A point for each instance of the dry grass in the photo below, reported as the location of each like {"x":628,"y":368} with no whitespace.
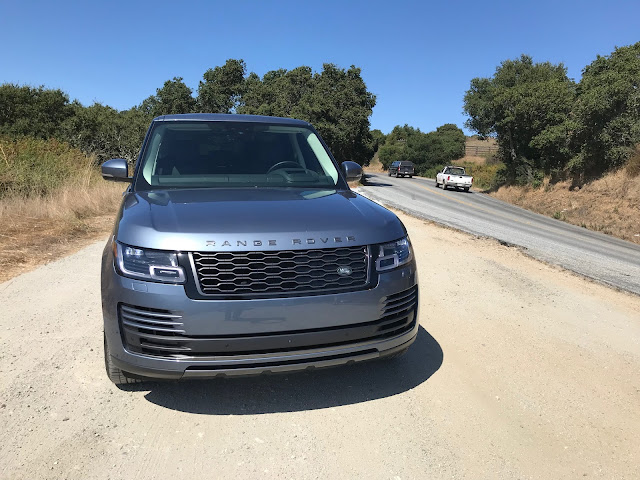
{"x":374,"y":165}
{"x":37,"y":229}
{"x":475,"y":141}
{"x":610,"y":205}
{"x":472,"y":159}
{"x":633,"y":164}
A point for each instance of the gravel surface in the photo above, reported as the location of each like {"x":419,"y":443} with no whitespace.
{"x":597,"y":256}
{"x":520,"y":370}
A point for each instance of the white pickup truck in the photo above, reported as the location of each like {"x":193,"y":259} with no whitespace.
{"x":454,"y":177}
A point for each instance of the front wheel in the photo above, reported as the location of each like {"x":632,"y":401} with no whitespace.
{"x":117,"y":376}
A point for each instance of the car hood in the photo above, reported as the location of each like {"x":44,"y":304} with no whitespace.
{"x":253,"y":219}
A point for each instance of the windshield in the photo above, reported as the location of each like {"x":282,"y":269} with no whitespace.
{"x":234,"y":154}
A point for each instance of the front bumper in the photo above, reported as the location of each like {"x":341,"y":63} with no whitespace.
{"x":248,"y":337}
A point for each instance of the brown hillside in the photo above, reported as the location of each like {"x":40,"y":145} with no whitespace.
{"x":610,"y":205}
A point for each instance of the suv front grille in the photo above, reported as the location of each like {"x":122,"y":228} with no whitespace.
{"x":243,"y":274}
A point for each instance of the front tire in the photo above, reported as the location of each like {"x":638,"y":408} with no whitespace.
{"x":117,"y":376}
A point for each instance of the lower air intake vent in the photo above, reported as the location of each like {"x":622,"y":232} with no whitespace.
{"x":150,"y":330}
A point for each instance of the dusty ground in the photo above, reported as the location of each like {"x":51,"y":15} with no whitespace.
{"x":34,"y":243}
{"x":520,"y":371}
{"x":35,"y":231}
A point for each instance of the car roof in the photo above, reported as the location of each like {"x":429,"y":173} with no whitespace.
{"x":226,"y":117}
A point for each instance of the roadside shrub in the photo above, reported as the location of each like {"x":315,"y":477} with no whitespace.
{"x":34,"y":167}
{"x":484,"y":176}
{"x":538,"y":178}
{"x":429,"y":172}
{"x":500,"y":178}
{"x":633,"y":164}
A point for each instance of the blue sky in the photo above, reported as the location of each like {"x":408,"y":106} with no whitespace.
{"x":417,"y":57}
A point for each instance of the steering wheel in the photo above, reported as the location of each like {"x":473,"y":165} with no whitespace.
{"x":283,"y":165}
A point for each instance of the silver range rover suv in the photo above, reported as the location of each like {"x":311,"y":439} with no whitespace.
{"x":239,"y":249}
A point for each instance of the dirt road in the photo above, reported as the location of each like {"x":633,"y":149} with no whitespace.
{"x":520,"y":371}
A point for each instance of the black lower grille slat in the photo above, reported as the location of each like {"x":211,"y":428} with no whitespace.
{"x":142,"y":326}
{"x":399,"y":310}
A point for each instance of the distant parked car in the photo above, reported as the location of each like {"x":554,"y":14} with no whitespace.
{"x":454,"y":177}
{"x":401,"y":169}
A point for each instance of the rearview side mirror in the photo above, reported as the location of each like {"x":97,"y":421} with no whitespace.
{"x":116,"y":170}
{"x":351,"y":171}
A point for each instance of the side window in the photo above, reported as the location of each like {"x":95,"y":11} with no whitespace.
{"x":446,"y":170}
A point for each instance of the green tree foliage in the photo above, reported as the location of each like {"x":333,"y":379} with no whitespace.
{"x":107,"y":133}
{"x":280,"y":93}
{"x":222,"y":87}
{"x":607,"y":112}
{"x":446,"y":144}
{"x":404,"y":144}
{"x":377,"y":139}
{"x":335,"y":101}
{"x":544,"y":123}
{"x":45,"y":113}
{"x":427,"y":151}
{"x":527,"y":106}
{"x":340,"y":110}
{"x":174,"y":97}
{"x":35,"y":112}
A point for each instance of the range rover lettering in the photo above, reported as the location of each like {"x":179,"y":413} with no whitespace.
{"x":239,"y":249}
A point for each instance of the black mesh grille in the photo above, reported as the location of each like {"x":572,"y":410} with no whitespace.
{"x":278,"y":272}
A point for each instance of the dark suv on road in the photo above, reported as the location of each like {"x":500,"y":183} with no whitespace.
{"x":240,"y":249}
{"x":401,"y":169}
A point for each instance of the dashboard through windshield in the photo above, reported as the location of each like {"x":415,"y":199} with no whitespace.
{"x":234,"y":154}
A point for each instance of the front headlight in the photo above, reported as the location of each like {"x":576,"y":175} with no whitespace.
{"x":392,"y":255}
{"x":154,"y":265}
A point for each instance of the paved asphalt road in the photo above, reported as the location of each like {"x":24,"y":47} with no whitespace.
{"x":597,"y":256}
